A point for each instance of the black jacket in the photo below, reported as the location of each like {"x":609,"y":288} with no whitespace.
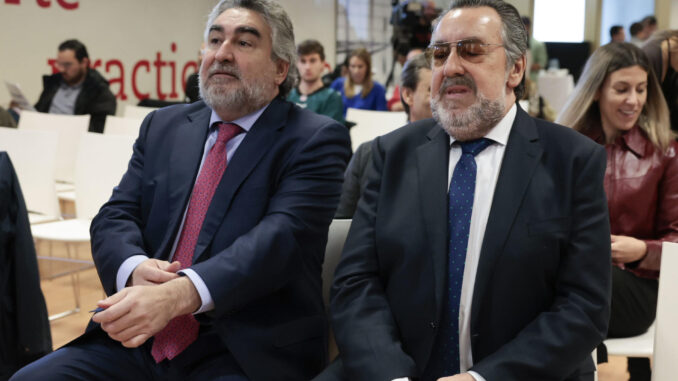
{"x":95,"y":98}
{"x":24,"y":327}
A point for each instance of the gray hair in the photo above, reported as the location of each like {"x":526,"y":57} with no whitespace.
{"x":409,"y":78}
{"x":282,"y":33}
{"x":513,"y":33}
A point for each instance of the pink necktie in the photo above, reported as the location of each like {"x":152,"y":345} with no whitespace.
{"x":181,"y":331}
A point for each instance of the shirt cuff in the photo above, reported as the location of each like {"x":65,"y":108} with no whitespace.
{"x":402,"y":379}
{"x":476,"y":376}
{"x":207,"y":304}
{"x":126,"y":270}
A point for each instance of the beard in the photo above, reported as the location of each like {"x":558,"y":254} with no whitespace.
{"x":243,"y":96}
{"x":470,"y":124}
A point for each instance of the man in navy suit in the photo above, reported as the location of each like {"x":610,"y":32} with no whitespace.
{"x":211,"y":247}
{"x":506,"y":276}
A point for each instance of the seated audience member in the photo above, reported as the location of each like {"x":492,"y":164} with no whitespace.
{"x":77,"y":89}
{"x":538,"y":57}
{"x":210,"y":249}
{"x":311,"y":93}
{"x":638,"y":35}
{"x":649,"y":25}
{"x":480,"y":247}
{"x":416,"y":99}
{"x":6,"y":119}
{"x":618,"y":103}
{"x":394,"y":104}
{"x":617,"y":34}
{"x":357,"y":89}
{"x":662,"y":51}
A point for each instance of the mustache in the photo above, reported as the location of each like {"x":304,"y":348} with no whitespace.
{"x":462,"y":80}
{"x":221,"y":68}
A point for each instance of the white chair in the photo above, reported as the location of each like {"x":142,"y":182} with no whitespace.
{"x":335,"y":245}
{"x":636,"y":346}
{"x":33,"y":154}
{"x":69,"y":128}
{"x":665,"y":365}
{"x":116,"y":125}
{"x":370,"y":124}
{"x":101,"y":162}
{"x":132,"y":111}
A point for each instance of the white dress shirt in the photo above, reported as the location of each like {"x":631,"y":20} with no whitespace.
{"x":488,"y":163}
{"x":128,"y":266}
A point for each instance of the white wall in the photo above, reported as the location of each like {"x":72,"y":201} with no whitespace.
{"x":123,"y":34}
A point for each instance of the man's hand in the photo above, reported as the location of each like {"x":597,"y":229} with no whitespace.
{"x":136,"y":313}
{"x":458,"y":377}
{"x":627,"y":249}
{"x":154,"y":271}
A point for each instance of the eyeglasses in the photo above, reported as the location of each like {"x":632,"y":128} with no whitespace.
{"x":471,"y":50}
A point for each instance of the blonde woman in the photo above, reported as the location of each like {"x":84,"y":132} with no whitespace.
{"x":357,"y":89}
{"x":618,"y":103}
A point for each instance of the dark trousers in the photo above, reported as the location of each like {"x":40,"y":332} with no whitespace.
{"x":95,"y":356}
{"x":634,"y":306}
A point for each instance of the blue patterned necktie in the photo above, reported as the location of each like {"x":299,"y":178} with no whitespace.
{"x":445,"y":357}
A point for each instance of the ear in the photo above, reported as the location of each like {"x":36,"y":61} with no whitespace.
{"x":516,"y":72}
{"x":85,"y":61}
{"x":596,"y":97}
{"x":407,"y":96}
{"x":281,"y":69}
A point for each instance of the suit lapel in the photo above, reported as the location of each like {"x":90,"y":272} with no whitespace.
{"x":432,"y":169}
{"x":252,"y":149}
{"x":185,"y":156}
{"x":522,"y":155}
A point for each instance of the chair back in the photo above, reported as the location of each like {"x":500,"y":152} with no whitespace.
{"x":370,"y":124}
{"x":69,"y":128}
{"x":116,"y":125}
{"x":132,"y":111}
{"x":102,"y":160}
{"x":33,"y":154}
{"x":665,"y":366}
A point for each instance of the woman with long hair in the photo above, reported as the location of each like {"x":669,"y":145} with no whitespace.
{"x":618,"y":102}
{"x":357,"y":89}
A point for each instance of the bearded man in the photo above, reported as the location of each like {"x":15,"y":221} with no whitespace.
{"x":480,"y":247}
{"x":211,"y":247}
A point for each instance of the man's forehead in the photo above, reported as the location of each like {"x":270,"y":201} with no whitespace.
{"x":66,"y":54}
{"x":473,"y":22}
{"x":240,"y":19}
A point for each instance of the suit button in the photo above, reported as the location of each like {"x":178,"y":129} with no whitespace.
{"x":433,"y":325}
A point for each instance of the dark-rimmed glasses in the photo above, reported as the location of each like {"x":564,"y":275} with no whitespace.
{"x":470,"y":50}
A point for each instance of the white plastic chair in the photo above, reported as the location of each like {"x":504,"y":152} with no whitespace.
{"x":132,"y":111}
{"x":116,"y":125}
{"x":33,"y":154}
{"x":69,"y":128}
{"x":665,"y":365}
{"x":370,"y":124}
{"x":101,"y":162}
{"x":336,"y":238}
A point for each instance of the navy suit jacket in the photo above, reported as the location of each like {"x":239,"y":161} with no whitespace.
{"x":261,"y":247}
{"x":541,"y":297}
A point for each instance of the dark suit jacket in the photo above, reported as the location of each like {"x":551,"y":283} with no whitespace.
{"x":355,"y":179}
{"x":542,"y":289}
{"x":261,"y":246}
{"x":24,"y":327}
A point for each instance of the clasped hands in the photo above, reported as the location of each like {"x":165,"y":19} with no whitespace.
{"x":156,"y":294}
{"x":627,"y":249}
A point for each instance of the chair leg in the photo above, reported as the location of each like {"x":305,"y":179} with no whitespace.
{"x":75,"y":278}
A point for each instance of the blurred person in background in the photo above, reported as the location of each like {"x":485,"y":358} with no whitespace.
{"x":357,"y":88}
{"x":662,"y":51}
{"x":617,"y":34}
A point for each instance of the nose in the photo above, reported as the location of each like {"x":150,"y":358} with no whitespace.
{"x":224,"y":52}
{"x":452,"y":66}
{"x":633,"y":98}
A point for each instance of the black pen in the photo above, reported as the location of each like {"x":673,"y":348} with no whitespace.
{"x":98,"y":309}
